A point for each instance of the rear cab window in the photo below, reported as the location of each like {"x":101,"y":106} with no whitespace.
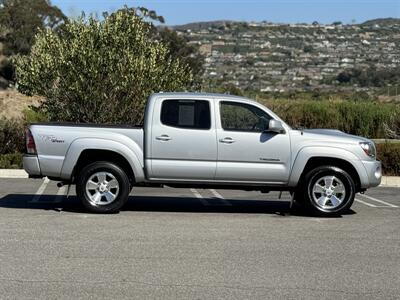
{"x":187,"y":114}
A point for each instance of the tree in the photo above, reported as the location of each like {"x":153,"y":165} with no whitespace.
{"x":370,"y":76}
{"x":178,"y":45}
{"x":100,"y":71}
{"x":149,"y":14}
{"x":344,"y":77}
{"x":187,"y":53}
{"x":308,"y":48}
{"x":20,"y":20}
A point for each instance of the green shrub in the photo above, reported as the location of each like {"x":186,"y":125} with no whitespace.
{"x":11,"y":161}
{"x":100,"y":71}
{"x":34,"y":115}
{"x":11,"y":136}
{"x":389,"y":155}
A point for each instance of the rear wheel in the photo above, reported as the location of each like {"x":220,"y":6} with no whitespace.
{"x":102,"y":187}
{"x":326,"y":191}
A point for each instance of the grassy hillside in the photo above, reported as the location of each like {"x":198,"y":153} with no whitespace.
{"x":13,"y":103}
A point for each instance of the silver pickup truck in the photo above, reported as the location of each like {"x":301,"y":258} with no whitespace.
{"x":203,"y":140}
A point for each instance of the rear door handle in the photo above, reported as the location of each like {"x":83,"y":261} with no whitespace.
{"x":163,"y":137}
{"x":227,"y":140}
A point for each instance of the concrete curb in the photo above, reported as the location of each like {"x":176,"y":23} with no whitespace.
{"x":387,"y":181}
{"x":390,"y":181}
{"x":13,"y":173}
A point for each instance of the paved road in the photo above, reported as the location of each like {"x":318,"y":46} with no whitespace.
{"x":195,"y":244}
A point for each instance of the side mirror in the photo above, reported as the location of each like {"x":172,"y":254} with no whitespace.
{"x":275,"y":126}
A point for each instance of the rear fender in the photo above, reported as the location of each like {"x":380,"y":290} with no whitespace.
{"x":133,"y":154}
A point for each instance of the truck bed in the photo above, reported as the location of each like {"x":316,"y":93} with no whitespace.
{"x":55,"y":140}
{"x":72,"y":124}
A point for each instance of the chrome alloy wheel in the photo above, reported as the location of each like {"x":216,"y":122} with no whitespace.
{"x":328,"y":192}
{"x":102,"y":188}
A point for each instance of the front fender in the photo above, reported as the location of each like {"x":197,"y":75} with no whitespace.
{"x":133,"y":154}
{"x":306,"y":153}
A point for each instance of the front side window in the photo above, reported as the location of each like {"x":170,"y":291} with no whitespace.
{"x":190,"y":114}
{"x":236,"y":116}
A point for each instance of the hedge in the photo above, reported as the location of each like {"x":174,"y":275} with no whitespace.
{"x":365,"y":118}
{"x":11,"y":136}
{"x":389,"y":155}
{"x":11,"y":160}
{"x":370,"y":119}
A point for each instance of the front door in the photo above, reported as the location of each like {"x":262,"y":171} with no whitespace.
{"x":183,"y":140}
{"x":246,"y":150}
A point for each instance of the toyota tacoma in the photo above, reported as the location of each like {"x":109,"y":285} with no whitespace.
{"x":204,"y":140}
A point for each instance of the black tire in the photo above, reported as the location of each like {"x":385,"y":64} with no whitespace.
{"x":122,"y":192}
{"x":304,"y":194}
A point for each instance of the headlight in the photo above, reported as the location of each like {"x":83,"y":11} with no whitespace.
{"x":369,"y":148}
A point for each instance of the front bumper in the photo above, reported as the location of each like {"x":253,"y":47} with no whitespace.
{"x":31,"y":165}
{"x":374,"y":172}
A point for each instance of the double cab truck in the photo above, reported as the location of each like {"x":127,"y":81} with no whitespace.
{"x":204,"y":140}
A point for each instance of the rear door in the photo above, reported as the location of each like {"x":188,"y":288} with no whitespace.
{"x":246,"y":150}
{"x":183,"y":140}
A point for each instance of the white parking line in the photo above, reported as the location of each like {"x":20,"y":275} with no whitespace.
{"x":365,"y":203}
{"x":216,"y":194}
{"x":379,"y":201}
{"x":220,"y":197}
{"x":200,"y":197}
{"x":60,"y":194}
{"x":40,"y":191}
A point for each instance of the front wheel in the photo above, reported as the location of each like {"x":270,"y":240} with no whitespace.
{"x":327,"y":191}
{"x":102,"y":187}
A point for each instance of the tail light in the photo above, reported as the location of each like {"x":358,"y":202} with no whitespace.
{"x":30,"y":142}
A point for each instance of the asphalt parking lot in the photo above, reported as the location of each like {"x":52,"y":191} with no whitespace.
{"x":195,"y":244}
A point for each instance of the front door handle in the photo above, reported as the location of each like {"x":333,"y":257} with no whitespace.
{"x":163,"y":137}
{"x":227,"y":140}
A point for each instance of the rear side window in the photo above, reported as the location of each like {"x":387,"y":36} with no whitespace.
{"x":191,"y":114}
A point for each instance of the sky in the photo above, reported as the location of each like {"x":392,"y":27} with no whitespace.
{"x":282,"y":11}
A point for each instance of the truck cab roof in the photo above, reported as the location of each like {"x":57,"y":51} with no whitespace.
{"x":196,"y":95}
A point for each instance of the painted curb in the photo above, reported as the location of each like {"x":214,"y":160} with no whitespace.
{"x":387,"y":181}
